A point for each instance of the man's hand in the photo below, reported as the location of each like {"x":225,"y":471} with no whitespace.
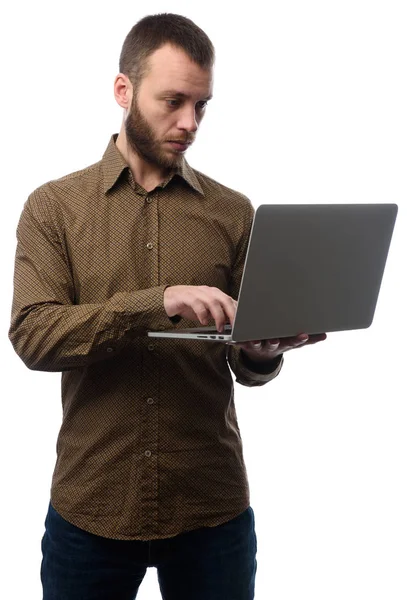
{"x":200,"y":303}
{"x":267,"y":350}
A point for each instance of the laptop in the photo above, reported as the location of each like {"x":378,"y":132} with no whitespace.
{"x":310,"y":268}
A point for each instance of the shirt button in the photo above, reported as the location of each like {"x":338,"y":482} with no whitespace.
{"x":147,"y":453}
{"x":150,"y":246}
{"x":109,"y":349}
{"x":149,"y":200}
{"x":150,"y":400}
{"x":150,"y":347}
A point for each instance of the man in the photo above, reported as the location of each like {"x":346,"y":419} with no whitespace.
{"x":149,"y":469}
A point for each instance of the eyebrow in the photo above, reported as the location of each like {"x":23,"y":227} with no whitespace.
{"x":176,"y":94}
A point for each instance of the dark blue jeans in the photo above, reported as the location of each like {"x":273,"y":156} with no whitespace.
{"x":212,"y":563}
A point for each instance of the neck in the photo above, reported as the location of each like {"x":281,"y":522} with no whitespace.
{"x":146,"y":174}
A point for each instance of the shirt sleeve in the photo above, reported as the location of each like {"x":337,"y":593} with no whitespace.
{"x":246,"y":371}
{"x":48,"y":330}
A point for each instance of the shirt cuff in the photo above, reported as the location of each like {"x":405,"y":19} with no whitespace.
{"x":141,"y":310}
{"x":261,"y":368}
{"x":175,"y":319}
{"x":251,"y":373}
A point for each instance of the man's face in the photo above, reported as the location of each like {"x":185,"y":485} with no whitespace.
{"x":166,"y":111}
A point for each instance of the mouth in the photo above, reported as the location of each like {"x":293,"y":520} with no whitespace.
{"x":179,"y":146}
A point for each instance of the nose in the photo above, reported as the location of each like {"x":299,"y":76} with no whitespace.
{"x":188,"y":120}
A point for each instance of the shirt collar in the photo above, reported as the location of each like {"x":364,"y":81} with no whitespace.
{"x":114,"y":163}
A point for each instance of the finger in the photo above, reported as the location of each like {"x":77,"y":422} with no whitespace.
{"x":312,"y":338}
{"x":225,"y":303}
{"x":291,"y":342}
{"x":208,"y":304}
{"x":218,"y":315}
{"x":201,"y":311}
{"x":301,"y":338}
{"x":230,"y":309}
{"x":298,"y":340}
{"x":317,"y":337}
{"x":250,"y":346}
{"x":216,"y":312}
{"x":222,"y":308}
{"x":272,"y":345}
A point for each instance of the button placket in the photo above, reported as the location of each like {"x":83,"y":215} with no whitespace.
{"x":151,"y":219}
{"x":149,"y":411}
{"x":149,"y":414}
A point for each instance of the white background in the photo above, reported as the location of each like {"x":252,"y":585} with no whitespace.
{"x":310,"y":105}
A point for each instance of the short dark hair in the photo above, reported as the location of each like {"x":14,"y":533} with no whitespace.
{"x":153,"y":32}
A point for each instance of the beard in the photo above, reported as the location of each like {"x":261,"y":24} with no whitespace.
{"x":145,"y":143}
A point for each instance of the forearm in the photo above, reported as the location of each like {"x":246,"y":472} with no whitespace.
{"x":52,"y":331}
{"x":49,"y":336}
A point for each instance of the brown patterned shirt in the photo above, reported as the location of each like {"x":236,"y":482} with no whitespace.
{"x":149,"y":445}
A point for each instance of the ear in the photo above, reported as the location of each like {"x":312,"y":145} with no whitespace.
{"x":123,"y":91}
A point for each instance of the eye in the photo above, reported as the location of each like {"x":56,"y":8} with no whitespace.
{"x":172,"y":102}
{"x":202,"y":104}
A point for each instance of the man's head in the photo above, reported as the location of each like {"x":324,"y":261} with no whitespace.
{"x":164,"y":84}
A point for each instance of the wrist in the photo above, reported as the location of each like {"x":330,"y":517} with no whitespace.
{"x":169,"y":305}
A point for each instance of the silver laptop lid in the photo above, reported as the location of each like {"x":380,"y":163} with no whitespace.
{"x":313,"y":268}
